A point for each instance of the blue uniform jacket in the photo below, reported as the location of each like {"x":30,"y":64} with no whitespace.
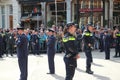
{"x":51,"y":44}
{"x":22,"y":46}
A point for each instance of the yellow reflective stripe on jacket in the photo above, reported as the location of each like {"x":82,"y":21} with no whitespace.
{"x":68,"y":39}
{"x":118,"y":34}
{"x":88,"y":34}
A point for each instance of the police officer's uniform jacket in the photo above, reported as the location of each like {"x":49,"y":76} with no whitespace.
{"x":70,"y":45}
{"x":22,"y":45}
{"x":88,"y":39}
{"x":118,"y":38}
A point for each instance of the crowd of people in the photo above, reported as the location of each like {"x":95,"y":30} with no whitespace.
{"x":37,"y":40}
{"x":71,"y":40}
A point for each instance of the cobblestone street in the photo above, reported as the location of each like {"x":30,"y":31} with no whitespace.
{"x":38,"y":67}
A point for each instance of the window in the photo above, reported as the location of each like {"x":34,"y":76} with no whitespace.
{"x":95,"y":3}
{"x":3,"y":9}
{"x":10,"y":9}
{"x":3,"y":21}
{"x":83,"y":4}
{"x":3,"y":16}
{"x":61,"y":6}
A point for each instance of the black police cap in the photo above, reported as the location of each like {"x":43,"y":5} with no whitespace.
{"x":20,"y":28}
{"x":70,"y":24}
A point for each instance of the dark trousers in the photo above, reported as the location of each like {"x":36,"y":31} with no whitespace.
{"x":101,"y":45}
{"x":10,"y":49}
{"x":1,"y":50}
{"x":51,"y":62}
{"x":36,"y":49}
{"x":88,"y":59}
{"x":23,"y":62}
{"x":117,"y":50}
{"x":107,"y":53}
{"x":70,"y":68}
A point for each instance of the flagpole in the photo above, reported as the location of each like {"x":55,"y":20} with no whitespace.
{"x":56,"y":12}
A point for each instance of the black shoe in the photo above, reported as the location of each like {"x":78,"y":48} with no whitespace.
{"x":89,"y":72}
{"x":107,"y":58}
{"x":50,"y":73}
{"x":115,"y":56}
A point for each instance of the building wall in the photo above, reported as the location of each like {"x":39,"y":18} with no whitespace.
{"x":9,"y":11}
{"x":16,"y":13}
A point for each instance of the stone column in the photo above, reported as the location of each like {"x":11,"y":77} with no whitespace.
{"x":43,"y":10}
{"x":0,"y":18}
{"x":69,"y":13}
{"x":111,"y":13}
{"x":6,"y":17}
{"x":16,"y":13}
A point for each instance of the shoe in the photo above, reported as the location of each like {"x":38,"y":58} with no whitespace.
{"x":89,"y":72}
{"x":50,"y":73}
{"x":115,"y":56}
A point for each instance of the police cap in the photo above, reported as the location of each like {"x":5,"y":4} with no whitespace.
{"x":20,"y":27}
{"x":70,"y":24}
{"x":51,"y":30}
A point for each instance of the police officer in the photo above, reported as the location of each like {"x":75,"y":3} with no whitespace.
{"x":22,"y":53}
{"x":88,"y":45}
{"x":51,"y":51}
{"x":107,"y":41}
{"x":1,"y":44}
{"x":71,"y":53}
{"x":117,"y":42}
{"x":10,"y":42}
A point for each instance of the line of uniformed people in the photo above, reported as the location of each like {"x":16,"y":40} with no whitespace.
{"x":37,"y":42}
{"x":71,"y":51}
{"x":7,"y":42}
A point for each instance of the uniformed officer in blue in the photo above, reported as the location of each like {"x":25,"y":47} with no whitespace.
{"x":88,"y":45}
{"x":51,"y":51}
{"x":71,"y":53}
{"x":22,"y":53}
{"x":107,"y":41}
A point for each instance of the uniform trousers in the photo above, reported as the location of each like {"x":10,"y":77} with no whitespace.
{"x":23,"y":67}
{"x":70,"y":64}
{"x":88,"y":59}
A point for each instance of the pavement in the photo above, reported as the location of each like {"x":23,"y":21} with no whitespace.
{"x":38,"y":67}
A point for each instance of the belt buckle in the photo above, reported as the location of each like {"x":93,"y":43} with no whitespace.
{"x":68,"y":55}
